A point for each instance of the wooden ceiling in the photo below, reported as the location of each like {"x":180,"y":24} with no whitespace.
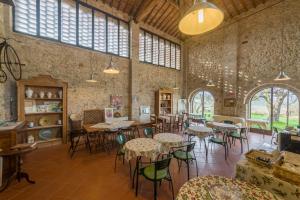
{"x":164,"y":15}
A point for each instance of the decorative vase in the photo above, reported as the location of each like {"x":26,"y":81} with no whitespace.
{"x":60,"y":94}
{"x":42,"y":94}
{"x":49,"y":95}
{"x":164,"y":97}
{"x":30,"y":139}
{"x":29,"y":93}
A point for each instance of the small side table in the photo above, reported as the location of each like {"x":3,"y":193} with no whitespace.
{"x":18,"y":151}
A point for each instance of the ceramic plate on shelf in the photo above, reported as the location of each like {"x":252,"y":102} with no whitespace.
{"x":44,"y":121}
{"x":45,"y":134}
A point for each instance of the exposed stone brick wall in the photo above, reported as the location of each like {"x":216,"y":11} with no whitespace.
{"x":73,"y":65}
{"x":250,"y":49}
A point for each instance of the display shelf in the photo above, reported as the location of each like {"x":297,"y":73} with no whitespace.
{"x":43,"y":113}
{"x":41,"y":127}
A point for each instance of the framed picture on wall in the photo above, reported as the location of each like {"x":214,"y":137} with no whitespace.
{"x":116,"y":101}
{"x":108,"y":113}
{"x":229,"y":102}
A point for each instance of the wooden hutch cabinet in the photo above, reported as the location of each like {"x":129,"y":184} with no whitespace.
{"x":163,"y":102}
{"x":42,"y":104}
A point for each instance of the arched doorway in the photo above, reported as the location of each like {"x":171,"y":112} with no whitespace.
{"x":278,"y":105}
{"x":202,"y":103}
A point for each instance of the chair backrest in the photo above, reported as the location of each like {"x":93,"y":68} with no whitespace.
{"x":93,"y":116}
{"x":153,"y":119}
{"x":275,"y":130}
{"x":162,"y":164}
{"x":148,"y":132}
{"x":75,"y":125}
{"x":228,"y":122}
{"x":243,"y":131}
{"x":186,"y":124}
{"x":121,"y":139}
{"x":190,"y":146}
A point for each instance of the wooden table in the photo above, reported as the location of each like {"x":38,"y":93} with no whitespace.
{"x":263,"y":124}
{"x":8,"y":138}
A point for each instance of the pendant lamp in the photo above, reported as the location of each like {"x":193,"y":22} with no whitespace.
{"x":210,"y":83}
{"x":200,"y":18}
{"x":92,"y":79}
{"x":110,"y":69}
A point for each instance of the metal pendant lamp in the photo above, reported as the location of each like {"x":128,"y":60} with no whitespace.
{"x":110,"y":69}
{"x":200,"y":18}
{"x":8,"y":2}
{"x":92,"y":78}
{"x":282,"y":76}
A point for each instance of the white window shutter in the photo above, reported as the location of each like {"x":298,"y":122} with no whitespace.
{"x":85,"y":28}
{"x":68,"y":21}
{"x":26,"y":16}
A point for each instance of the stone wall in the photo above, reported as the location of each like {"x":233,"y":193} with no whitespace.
{"x":74,"y":65}
{"x":249,"y":51}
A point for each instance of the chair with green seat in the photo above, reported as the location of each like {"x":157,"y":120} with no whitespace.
{"x":156,"y":172}
{"x":186,"y":154}
{"x":148,"y":132}
{"x":121,"y":140}
{"x":240,"y":135}
{"x":274,"y":135}
{"x":186,"y":125}
{"x":220,"y":141}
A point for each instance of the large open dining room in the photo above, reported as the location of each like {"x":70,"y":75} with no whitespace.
{"x":149,"y":99}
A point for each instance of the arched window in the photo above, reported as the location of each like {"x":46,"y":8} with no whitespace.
{"x":277,"y":105}
{"x":202,"y":103}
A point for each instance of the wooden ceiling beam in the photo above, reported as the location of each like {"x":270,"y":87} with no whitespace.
{"x":235,"y":7}
{"x":160,"y":15}
{"x":163,"y":18}
{"x":226,"y":9}
{"x":150,"y":14}
{"x":244,"y":5}
{"x":160,"y":8}
{"x":169,"y":25}
{"x":145,"y":8}
{"x":126,"y":5}
{"x":135,"y":6}
{"x":119,"y":4}
{"x":174,"y":29}
{"x":253,"y":3}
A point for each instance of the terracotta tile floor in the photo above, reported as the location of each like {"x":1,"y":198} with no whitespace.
{"x":91,"y":176}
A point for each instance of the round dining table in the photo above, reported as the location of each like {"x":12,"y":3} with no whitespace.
{"x":223,"y":126}
{"x":221,"y":188}
{"x":168,"y":140}
{"x":201,"y":132}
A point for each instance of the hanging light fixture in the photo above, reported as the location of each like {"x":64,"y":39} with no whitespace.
{"x":92,"y":79}
{"x":200,"y":18}
{"x":210,"y":83}
{"x":282,"y":76}
{"x":8,"y":2}
{"x":110,"y":69}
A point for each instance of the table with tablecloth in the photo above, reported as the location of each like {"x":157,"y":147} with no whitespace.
{"x":263,"y":178}
{"x":221,"y":188}
{"x":168,"y":140}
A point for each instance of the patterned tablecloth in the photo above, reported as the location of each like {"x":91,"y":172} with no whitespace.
{"x":113,"y":125}
{"x":145,"y":147}
{"x":223,"y":126}
{"x":221,"y":188}
{"x":168,"y":140}
{"x":200,"y":131}
{"x":263,"y":178}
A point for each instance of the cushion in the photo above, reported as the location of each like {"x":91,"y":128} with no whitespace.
{"x":217,"y":140}
{"x":182,"y":155}
{"x":149,"y":173}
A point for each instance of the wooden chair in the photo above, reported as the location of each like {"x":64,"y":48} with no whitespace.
{"x":121,"y":140}
{"x":76,"y":133}
{"x":93,"y":116}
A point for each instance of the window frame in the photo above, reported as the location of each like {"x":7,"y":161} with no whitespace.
{"x":144,"y":32}
{"x":202,"y":92}
{"x":93,"y":9}
{"x":271,"y":88}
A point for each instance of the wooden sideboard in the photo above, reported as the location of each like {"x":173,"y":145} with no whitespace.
{"x":8,"y":138}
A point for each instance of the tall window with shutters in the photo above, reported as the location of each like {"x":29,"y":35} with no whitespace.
{"x":158,"y":51}
{"x":85,"y":28}
{"x":72,"y":22}
{"x":49,"y":18}
{"x":25,"y":16}
{"x":68,"y":21}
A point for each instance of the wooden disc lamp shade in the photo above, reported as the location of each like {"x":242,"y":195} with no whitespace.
{"x":200,"y":18}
